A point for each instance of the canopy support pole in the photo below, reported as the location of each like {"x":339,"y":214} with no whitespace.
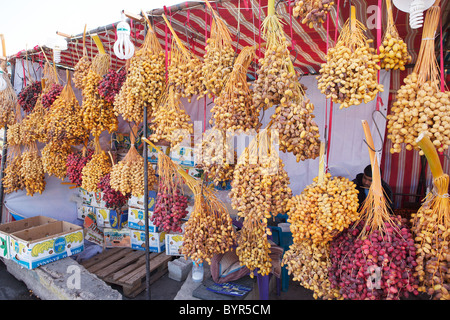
{"x":144,"y":155}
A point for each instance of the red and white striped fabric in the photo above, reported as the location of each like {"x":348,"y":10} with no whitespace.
{"x":243,"y":18}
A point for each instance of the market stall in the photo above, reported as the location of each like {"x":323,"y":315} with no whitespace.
{"x":235,"y":80}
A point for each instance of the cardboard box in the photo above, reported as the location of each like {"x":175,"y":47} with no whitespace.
{"x":183,"y":155}
{"x":152,"y":153}
{"x":117,"y":238}
{"x":92,"y":232}
{"x":7,"y":229}
{"x":118,"y":219}
{"x":156,"y":243}
{"x":174,"y":242}
{"x":110,"y":218}
{"x":83,"y":210}
{"x":223,"y":185}
{"x":97,"y":200}
{"x":193,"y":172}
{"x":43,"y":244}
{"x":136,"y":220}
{"x":85,"y":196}
{"x":138,"y":202}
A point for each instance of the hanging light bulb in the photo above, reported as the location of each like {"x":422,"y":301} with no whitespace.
{"x":56,"y":55}
{"x":416,"y":14}
{"x":57,"y":44}
{"x":415,"y":8}
{"x":123,"y":47}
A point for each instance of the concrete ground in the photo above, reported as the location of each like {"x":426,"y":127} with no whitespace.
{"x":162,"y":289}
{"x":13,"y":289}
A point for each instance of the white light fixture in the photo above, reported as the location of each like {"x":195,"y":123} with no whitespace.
{"x":123,"y":47}
{"x":415,"y":8}
{"x":58,"y":44}
{"x":416,"y":14}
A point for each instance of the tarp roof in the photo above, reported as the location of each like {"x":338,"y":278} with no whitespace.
{"x":243,"y":18}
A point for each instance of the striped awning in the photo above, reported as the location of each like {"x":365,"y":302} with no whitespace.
{"x":192,"y":24}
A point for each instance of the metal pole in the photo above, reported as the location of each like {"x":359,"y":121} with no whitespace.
{"x":5,"y":150}
{"x":147,"y":242}
{"x":4,"y":155}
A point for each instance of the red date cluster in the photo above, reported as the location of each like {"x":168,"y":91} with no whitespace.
{"x":51,"y":95}
{"x":170,"y":209}
{"x":111,"y":83}
{"x":379,"y":267}
{"x":113,"y":199}
{"x":28,"y":96}
{"x":75,"y":163}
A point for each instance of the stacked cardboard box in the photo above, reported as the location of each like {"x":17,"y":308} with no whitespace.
{"x":126,"y":227}
{"x":103,"y":226}
{"x":106,"y":217}
{"x":119,"y":228}
{"x":136,"y":224}
{"x":174,"y":242}
{"x":184,"y":156}
{"x":136,"y":216}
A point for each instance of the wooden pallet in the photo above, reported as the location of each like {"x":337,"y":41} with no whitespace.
{"x":126,"y":267}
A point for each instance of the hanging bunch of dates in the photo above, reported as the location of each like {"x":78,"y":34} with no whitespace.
{"x":312,"y":12}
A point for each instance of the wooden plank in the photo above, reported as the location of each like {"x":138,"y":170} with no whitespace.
{"x":136,"y":275}
{"x":130,"y":268}
{"x":158,"y":274}
{"x":127,"y":268}
{"x":133,"y":16}
{"x":99,"y":257}
{"x":106,"y":262}
{"x":139,"y":270}
{"x":129,"y":258}
{"x":157,"y":262}
{"x":118,"y":265}
{"x":62,"y":34}
{"x":132,"y":291}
